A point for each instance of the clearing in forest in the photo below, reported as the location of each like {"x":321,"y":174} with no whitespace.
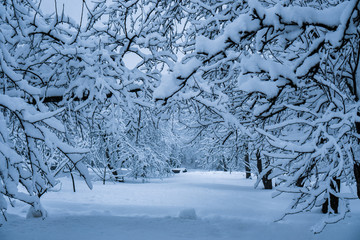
{"x":192,"y":205}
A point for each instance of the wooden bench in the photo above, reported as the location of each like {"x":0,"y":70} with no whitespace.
{"x":178,"y":170}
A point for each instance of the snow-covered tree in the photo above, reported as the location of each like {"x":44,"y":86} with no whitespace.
{"x":295,"y":66}
{"x":31,"y":44}
{"x":272,"y":80}
{"x":145,"y":31}
{"x":65,"y":81}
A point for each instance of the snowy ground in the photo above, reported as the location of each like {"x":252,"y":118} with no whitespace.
{"x":226,"y":205}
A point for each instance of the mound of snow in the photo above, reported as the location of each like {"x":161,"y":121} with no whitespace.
{"x":33,"y":213}
{"x":188,"y":213}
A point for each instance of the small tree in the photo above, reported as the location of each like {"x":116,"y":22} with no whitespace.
{"x":29,"y":126}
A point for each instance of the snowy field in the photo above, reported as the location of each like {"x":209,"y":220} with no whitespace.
{"x":193,"y":205}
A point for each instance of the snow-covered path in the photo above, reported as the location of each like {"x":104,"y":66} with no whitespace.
{"x":227,"y":207}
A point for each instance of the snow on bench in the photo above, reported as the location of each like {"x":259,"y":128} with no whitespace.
{"x":178,"y":170}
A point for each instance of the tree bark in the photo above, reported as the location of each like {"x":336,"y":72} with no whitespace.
{"x":357,"y":177}
{"x":265,"y":179}
{"x":111,"y":168}
{"x":300,"y":181}
{"x":104,"y":176}
{"x":73,"y":181}
{"x":247,"y":163}
{"x":247,"y":166}
{"x":334,"y":201}
{"x":114,"y":172}
{"x":357,"y":164}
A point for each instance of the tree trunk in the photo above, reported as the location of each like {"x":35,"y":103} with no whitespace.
{"x":247,"y":163}
{"x":224,"y":165}
{"x":111,"y":168}
{"x":265,"y":179}
{"x":104,"y":176}
{"x":334,"y":201}
{"x":357,"y":164}
{"x":114,"y":172}
{"x":73,"y":181}
{"x":300,"y":181}
{"x":357,"y":177}
{"x":138,"y":128}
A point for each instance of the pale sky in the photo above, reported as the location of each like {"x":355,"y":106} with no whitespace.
{"x":71,"y":7}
